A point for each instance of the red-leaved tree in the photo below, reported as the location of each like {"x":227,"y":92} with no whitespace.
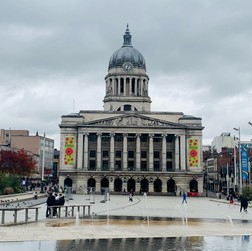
{"x":16,"y":162}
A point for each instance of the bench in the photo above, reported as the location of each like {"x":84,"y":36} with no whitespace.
{"x":72,"y":209}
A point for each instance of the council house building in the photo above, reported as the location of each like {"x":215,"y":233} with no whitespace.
{"x":127,"y":147}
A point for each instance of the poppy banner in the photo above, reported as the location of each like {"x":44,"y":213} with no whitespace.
{"x":193,"y":152}
{"x":69,"y":151}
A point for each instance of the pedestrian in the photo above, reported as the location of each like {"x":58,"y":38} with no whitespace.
{"x":244,"y":203}
{"x":231,"y":200}
{"x":50,"y":202}
{"x":35,"y":195}
{"x":184,"y":198}
{"x":131,"y":196}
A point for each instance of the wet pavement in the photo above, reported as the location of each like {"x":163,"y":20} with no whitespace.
{"x":146,"y":216}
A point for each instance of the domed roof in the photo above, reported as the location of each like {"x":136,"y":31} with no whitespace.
{"x":127,"y":53}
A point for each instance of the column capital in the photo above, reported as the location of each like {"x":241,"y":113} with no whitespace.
{"x":99,"y":134}
{"x":112,"y":134}
{"x":138,"y":135}
{"x":86,"y":133}
{"x":164,"y":135}
{"x":151,"y":135}
{"x":125,"y":135}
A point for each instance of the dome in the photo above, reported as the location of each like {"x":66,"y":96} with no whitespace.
{"x":127,"y":53}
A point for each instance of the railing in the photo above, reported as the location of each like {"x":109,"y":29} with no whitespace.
{"x":70,"y":210}
{"x":15,"y":213}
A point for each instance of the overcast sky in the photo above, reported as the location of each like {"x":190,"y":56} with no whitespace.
{"x":54,"y":56}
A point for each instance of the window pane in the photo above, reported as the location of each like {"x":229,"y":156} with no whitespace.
{"x":169,"y":155}
{"x":92,"y":154}
{"x":143,"y":154}
{"x":169,"y":165}
{"x":92,"y":164}
{"x":118,"y":137}
{"x":118,"y":154}
{"x":156,"y":154}
{"x":156,"y":166}
{"x":143,"y":165}
{"x":131,"y":154}
{"x":105,"y":154}
{"x":118,"y":165}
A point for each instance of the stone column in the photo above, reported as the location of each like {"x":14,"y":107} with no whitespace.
{"x":151,"y":152}
{"x":80,"y":152}
{"x":98,"y":155}
{"x":182,"y":152}
{"x":124,"y":86}
{"x":138,"y":152}
{"x":118,"y":87}
{"x":113,"y":84}
{"x":177,"y":166}
{"x":85,"y":151}
{"x":164,"y":153}
{"x":125,"y":152}
{"x":112,"y":152}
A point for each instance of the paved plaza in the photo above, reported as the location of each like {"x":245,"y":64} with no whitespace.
{"x":146,"y":216}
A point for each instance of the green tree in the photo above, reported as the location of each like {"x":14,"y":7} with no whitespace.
{"x":247,"y":192}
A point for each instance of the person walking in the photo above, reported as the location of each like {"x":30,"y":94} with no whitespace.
{"x":231,"y":200}
{"x":131,"y":196}
{"x":244,"y":203}
{"x":184,"y":198}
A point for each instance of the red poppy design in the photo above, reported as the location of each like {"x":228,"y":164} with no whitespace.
{"x":193,"y":153}
{"x":69,"y":151}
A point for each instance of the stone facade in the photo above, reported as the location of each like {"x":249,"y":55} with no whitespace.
{"x":127,"y":147}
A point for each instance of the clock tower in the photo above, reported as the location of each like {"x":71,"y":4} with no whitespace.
{"x":127,"y":81}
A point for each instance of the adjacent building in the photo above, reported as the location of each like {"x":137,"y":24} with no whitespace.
{"x":126,"y":146}
{"x":40,"y":146}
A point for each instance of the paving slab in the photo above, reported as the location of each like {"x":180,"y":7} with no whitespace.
{"x":146,"y":216}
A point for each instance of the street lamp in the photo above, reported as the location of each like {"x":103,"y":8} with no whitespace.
{"x":239,"y":152}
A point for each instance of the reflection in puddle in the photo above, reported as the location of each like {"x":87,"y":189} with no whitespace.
{"x":136,"y":244}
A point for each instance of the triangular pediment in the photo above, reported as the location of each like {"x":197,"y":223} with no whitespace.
{"x":134,"y":121}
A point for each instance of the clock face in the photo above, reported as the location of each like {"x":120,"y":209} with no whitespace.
{"x":127,"y":66}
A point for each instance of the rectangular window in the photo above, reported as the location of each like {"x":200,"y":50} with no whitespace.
{"x":105,"y":166}
{"x":92,"y":153}
{"x":131,"y":154}
{"x":157,"y":138}
{"x":169,"y":155}
{"x":143,"y":154}
{"x":156,"y":166}
{"x":156,"y":154}
{"x":118,"y":154}
{"x":169,"y":166}
{"x":131,"y":138}
{"x":131,"y":165}
{"x":169,"y":138}
{"x":105,"y":154}
{"x":92,"y":164}
{"x":92,"y":137}
{"x":118,"y":165}
{"x":144,"y":137}
{"x":118,"y":137}
{"x":105,"y":137}
{"x":143,"y":165}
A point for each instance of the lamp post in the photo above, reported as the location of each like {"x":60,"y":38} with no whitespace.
{"x":235,"y":164}
{"x":239,"y":152}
